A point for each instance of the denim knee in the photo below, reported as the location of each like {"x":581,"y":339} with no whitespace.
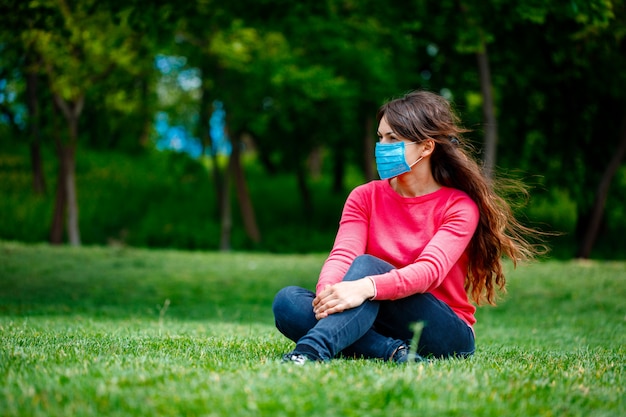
{"x":293,"y":311}
{"x":364,"y":265}
{"x":283,"y":297}
{"x":365,"y":259}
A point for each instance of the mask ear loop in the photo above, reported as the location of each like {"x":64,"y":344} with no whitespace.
{"x":419,"y":159}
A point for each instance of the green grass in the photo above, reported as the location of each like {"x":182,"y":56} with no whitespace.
{"x":89,"y":332}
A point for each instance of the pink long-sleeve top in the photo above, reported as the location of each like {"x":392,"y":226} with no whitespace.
{"x":424,"y":237}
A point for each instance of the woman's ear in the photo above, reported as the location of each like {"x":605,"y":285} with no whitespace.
{"x":429,"y":147}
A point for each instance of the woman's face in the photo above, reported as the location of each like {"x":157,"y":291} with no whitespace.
{"x":387,"y":135}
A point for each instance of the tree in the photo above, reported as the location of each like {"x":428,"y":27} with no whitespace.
{"x":603,"y":37}
{"x":21,"y":66}
{"x":79,"y":47}
{"x":564,"y":104}
{"x":223,"y":57}
{"x":556,"y":74}
{"x":597,"y":211}
{"x":540,"y":83}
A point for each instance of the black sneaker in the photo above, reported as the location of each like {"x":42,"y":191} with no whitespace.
{"x":295,"y":358}
{"x":403,"y":355}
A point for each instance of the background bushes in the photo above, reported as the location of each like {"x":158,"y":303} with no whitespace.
{"x":165,"y":199}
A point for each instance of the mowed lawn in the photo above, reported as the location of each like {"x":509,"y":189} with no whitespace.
{"x":114,"y":331}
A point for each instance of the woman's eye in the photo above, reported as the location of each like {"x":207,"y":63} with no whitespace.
{"x":388,"y":138}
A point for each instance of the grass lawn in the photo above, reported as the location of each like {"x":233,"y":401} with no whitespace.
{"x":112,"y":331}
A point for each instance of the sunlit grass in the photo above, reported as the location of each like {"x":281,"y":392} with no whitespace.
{"x":88,"y":332}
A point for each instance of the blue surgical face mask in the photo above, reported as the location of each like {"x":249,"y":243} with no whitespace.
{"x":391,"y":159}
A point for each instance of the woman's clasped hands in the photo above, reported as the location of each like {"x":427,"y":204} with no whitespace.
{"x":342,"y":296}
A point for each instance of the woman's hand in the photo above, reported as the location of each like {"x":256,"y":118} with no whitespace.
{"x":342,"y":296}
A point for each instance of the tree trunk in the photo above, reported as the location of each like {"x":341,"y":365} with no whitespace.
{"x":226,"y":220}
{"x":146,"y":114}
{"x":39,"y":181}
{"x":315,"y":162}
{"x":597,"y":211}
{"x":203,"y":128}
{"x":36,"y":162}
{"x":339,"y":170}
{"x":58,"y":215}
{"x":368,"y":150}
{"x":67,"y":156}
{"x":243,"y":195}
{"x":489,"y":117}
{"x":73,"y":229}
{"x":203,"y":131}
{"x":305,"y":193}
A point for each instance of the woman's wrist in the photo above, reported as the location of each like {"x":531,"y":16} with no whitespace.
{"x":372,"y":292}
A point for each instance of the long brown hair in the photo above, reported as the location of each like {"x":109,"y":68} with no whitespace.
{"x":422,"y":115}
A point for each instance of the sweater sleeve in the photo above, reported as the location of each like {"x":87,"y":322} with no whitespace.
{"x":438,"y":257}
{"x":350,"y":241}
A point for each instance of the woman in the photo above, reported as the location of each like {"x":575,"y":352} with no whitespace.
{"x":411,"y":248}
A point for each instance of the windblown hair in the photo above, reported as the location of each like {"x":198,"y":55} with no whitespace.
{"x":422,"y":115}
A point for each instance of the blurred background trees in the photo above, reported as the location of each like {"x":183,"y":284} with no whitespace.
{"x":89,"y":90}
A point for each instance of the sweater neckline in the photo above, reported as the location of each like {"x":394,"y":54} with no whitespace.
{"x":389,"y":190}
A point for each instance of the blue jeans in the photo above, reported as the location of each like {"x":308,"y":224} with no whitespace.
{"x":375,"y":329}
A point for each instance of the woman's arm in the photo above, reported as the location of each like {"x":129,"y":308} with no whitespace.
{"x":437,"y":258}
{"x":350,"y":242}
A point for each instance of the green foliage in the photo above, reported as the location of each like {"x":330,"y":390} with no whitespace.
{"x":164,"y":200}
{"x":79,"y":44}
{"x":300,"y":76}
{"x":557,"y":209}
{"x":87,"y":331}
{"x":168,"y":200}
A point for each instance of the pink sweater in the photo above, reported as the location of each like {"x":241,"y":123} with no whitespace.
{"x":424,"y":237}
